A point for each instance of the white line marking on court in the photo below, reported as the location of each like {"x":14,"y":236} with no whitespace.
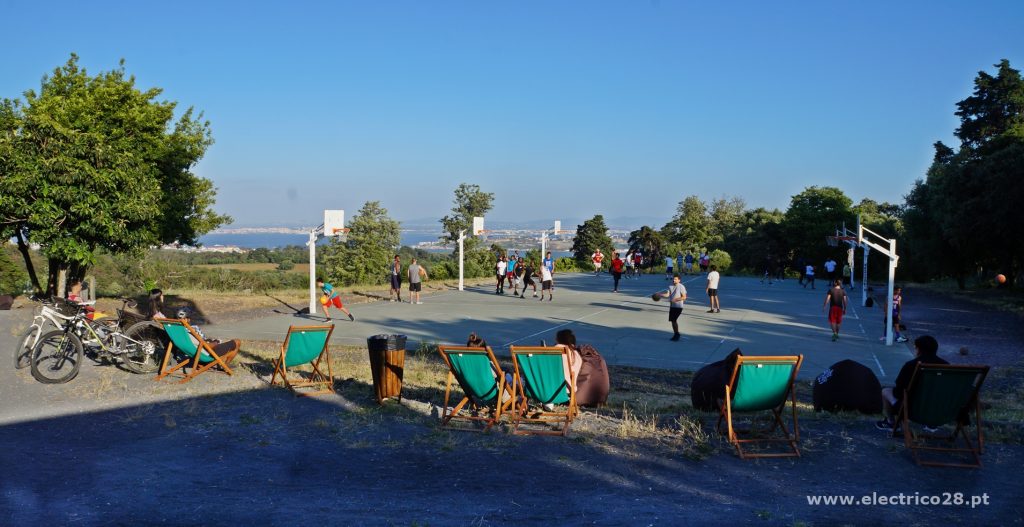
{"x":879,"y":364}
{"x":507,"y":344}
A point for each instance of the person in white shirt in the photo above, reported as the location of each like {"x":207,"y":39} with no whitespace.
{"x":499,"y":269}
{"x":676,"y":294}
{"x":668,"y":268}
{"x":546,"y":283}
{"x":712,"y":290}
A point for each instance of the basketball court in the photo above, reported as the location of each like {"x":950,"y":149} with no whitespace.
{"x":628,"y":328}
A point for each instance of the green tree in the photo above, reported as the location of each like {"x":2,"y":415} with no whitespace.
{"x":365,"y":256}
{"x":12,"y":278}
{"x":814,"y":214}
{"x":691,"y":224}
{"x":470,"y":202}
{"x":590,"y":236}
{"x":92,"y":161}
{"x":725,"y":219}
{"x":994,"y":111}
{"x":650,"y":243}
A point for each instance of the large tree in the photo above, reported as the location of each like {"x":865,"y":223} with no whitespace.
{"x":94,"y":162}
{"x":814,"y":214}
{"x":691,"y":225}
{"x":371,"y":244}
{"x":590,"y":236}
{"x":650,"y":243}
{"x":470,"y":202}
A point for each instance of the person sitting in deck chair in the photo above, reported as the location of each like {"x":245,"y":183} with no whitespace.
{"x":926,"y":349}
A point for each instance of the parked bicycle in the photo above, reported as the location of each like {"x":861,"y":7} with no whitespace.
{"x":51,"y":313}
{"x":57,"y":356}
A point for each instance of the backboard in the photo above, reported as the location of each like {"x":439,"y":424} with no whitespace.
{"x":558,"y":226}
{"x":334,"y":222}
{"x":478,"y":225}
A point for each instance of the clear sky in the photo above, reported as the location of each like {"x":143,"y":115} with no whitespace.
{"x":562,"y":109}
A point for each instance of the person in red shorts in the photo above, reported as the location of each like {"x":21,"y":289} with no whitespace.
{"x":835,"y":305}
{"x":331,"y":298}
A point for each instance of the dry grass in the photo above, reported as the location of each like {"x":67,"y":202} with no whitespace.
{"x":300,"y":268}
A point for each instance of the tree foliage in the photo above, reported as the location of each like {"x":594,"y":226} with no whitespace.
{"x":369,"y":249}
{"x":691,"y":225}
{"x":650,"y":243}
{"x":470,"y":202}
{"x":93,"y":161}
{"x":590,"y":236}
{"x":812,"y":215}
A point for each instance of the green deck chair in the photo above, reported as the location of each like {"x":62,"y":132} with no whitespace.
{"x":200,"y":355}
{"x":306,"y":345}
{"x":940,"y":394}
{"x":541,"y":376}
{"x":478,"y":374}
{"x":761,"y":384}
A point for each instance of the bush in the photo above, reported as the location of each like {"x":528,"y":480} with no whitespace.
{"x":721,"y":259}
{"x":12,"y":277}
{"x":569,"y":265}
{"x":286,"y":265}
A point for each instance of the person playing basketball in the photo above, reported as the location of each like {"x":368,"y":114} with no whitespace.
{"x":331,"y":298}
{"x":835,"y":305}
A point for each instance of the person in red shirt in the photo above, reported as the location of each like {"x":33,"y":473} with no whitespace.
{"x":617,"y":267}
{"x":597,"y":258}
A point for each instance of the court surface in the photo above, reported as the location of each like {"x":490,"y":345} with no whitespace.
{"x":628,"y":328}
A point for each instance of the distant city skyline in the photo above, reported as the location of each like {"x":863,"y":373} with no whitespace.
{"x":563,"y":110}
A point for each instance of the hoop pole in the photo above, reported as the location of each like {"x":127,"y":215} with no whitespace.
{"x":892,"y":279}
{"x":312,"y":271}
{"x":462,"y":238}
{"x":543,"y":244}
{"x":864,"y":278}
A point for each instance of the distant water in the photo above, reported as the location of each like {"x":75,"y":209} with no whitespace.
{"x":252,"y":241}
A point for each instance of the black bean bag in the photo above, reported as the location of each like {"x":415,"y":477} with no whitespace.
{"x":847,"y":386}
{"x":592,"y":384}
{"x":708,"y":384}
{"x":6,"y":301}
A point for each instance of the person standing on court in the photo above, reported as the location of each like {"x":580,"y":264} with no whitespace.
{"x":835,"y":305}
{"x":712,"y":290}
{"x":596,"y":259}
{"x":830,"y":269}
{"x":499,"y":269}
{"x":510,"y":273}
{"x":809,"y":276}
{"x":689,"y":262}
{"x":549,"y":262}
{"x":546,"y":283}
{"x":638,"y":260}
{"x":847,"y":274}
{"x":617,"y":267}
{"x":416,"y":274}
{"x":676,"y":294}
{"x":396,"y":280}
{"x":668,"y":268}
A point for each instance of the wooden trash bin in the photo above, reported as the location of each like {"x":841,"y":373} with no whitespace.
{"x":387,"y":363}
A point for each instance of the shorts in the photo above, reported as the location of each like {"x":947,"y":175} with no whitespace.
{"x":335,"y":302}
{"x":545,"y":285}
{"x":511,"y":276}
{"x":396,"y":282}
{"x":673,"y":313}
{"x":712,"y":292}
{"x":668,"y":270}
{"x":415,"y":287}
{"x":835,"y":315}
{"x":529,"y":281}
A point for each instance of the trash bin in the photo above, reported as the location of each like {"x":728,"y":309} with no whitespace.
{"x":387,"y":362}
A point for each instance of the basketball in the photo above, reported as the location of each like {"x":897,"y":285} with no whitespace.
{"x":655,"y":297}
{"x":1001,"y":278}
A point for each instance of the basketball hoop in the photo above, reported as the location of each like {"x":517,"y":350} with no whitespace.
{"x":833,"y":241}
{"x":340,"y":232}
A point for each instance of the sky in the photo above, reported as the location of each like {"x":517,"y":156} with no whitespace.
{"x":560,"y":108}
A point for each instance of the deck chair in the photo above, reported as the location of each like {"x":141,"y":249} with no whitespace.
{"x":200,"y":355}
{"x":761,"y":384}
{"x":940,"y":394}
{"x":540,"y":375}
{"x":305,"y":345}
{"x":478,"y":374}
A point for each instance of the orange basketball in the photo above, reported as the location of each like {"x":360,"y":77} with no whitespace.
{"x":1001,"y":278}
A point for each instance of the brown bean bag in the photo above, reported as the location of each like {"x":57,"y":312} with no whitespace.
{"x":6,"y":301}
{"x":847,"y":386}
{"x":592,"y":384}
{"x":708,"y":384}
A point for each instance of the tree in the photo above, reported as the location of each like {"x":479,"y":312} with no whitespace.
{"x":92,"y":161}
{"x":995,"y":110}
{"x":590,"y":236}
{"x":364,"y":257}
{"x":812,"y":215}
{"x":725,"y":218}
{"x":650,"y":243}
{"x":470,"y":202}
{"x":691,"y":224}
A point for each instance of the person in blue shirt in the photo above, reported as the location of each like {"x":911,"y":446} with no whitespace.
{"x":331,"y":298}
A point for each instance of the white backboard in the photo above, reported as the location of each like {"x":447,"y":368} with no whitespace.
{"x":558,"y":226}
{"x":334,"y":222}
{"x":478,"y":225}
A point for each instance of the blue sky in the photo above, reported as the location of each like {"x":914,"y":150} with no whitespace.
{"x":562,"y":109}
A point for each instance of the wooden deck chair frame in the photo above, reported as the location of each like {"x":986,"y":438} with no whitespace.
{"x":502,"y":402}
{"x":521,"y":413}
{"x":320,"y":382}
{"x":919,"y":442}
{"x":790,"y":438}
{"x":196,"y":365}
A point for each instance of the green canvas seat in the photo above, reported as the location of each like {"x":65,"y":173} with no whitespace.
{"x":542,"y":377}
{"x":478,"y":374}
{"x":757,"y":385}
{"x":200,"y":356}
{"x":305,"y":345}
{"x":938,"y":395}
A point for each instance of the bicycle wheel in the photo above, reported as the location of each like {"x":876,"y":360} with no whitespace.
{"x":144,"y":344}
{"x":57,"y":357}
{"x":27,"y":341}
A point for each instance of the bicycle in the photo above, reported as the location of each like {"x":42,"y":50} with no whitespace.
{"x":51,"y":312}
{"x":58,"y":355}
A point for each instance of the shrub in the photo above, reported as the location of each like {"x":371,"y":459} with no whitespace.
{"x":721,"y":259}
{"x":569,"y":265}
{"x":286,"y":265}
{"x":12,"y":277}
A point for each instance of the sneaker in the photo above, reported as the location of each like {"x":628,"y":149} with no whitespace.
{"x":551,"y":298}
{"x":711,"y":311}
{"x":675,"y":337}
{"x":718,"y":311}
{"x":327,"y":319}
{"x":548,"y":407}
{"x":901,"y":339}
{"x":884,"y":425}
{"x":352,"y":318}
{"x":418,"y":302}
{"x":835,"y":337}
{"x":535,"y":295}
{"x":929,"y":429}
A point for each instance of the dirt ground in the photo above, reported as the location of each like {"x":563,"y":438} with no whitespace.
{"x":112,"y":448}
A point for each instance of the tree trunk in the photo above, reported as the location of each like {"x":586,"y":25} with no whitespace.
{"x":23,"y":248}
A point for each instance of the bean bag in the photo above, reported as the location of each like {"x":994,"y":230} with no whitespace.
{"x":708,"y":384}
{"x":847,"y":386}
{"x":592,"y":384}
